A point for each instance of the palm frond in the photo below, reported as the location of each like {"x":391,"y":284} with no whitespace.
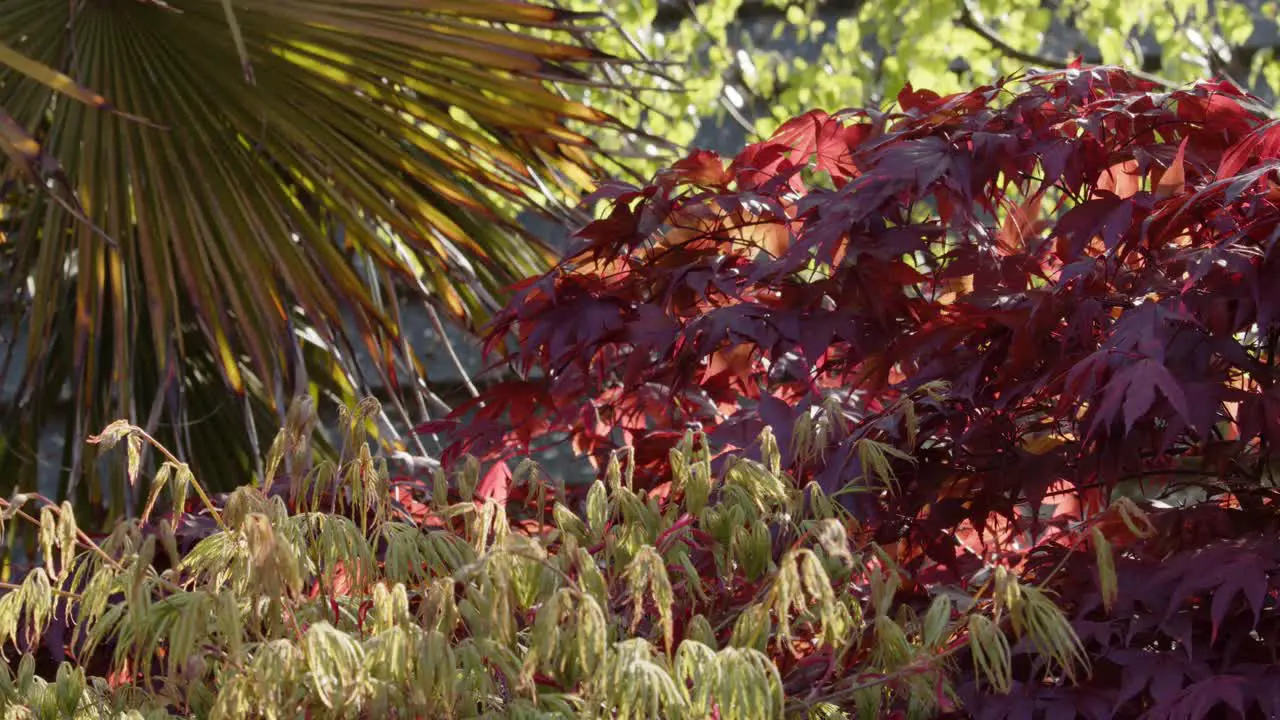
{"x":299,"y":161}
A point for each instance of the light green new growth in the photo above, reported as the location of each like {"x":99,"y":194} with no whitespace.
{"x":289,"y":608}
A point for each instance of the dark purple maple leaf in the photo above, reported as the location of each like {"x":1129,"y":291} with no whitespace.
{"x":1200,"y":697}
{"x":1133,"y":390}
{"x":1228,"y":570}
{"x":914,"y":163}
{"x":1056,"y":342}
{"x":1106,"y":217}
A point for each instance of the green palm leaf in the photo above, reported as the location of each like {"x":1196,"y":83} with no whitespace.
{"x":300,"y":160}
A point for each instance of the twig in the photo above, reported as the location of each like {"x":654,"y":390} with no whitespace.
{"x":844,"y":693}
{"x":60,"y":593}
{"x":969,"y":20}
{"x":732,"y":70}
{"x":204,"y":497}
{"x":448,"y":347}
{"x":157,"y":404}
{"x":84,"y":540}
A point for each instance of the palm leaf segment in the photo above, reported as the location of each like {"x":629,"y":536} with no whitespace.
{"x":282,"y":140}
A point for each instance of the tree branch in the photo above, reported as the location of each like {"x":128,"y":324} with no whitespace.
{"x":969,"y":20}
{"x":671,"y":14}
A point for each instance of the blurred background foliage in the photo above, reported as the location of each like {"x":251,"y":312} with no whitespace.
{"x":313,"y":190}
{"x":738,"y":68}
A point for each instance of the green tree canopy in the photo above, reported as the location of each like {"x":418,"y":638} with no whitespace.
{"x":740,"y":67}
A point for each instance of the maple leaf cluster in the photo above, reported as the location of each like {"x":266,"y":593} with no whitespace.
{"x":1032,"y":325}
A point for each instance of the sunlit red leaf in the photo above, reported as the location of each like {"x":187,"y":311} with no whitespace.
{"x":987,"y":344}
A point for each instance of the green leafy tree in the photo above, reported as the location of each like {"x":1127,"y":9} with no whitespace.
{"x":739,"y":68}
{"x":199,"y":196}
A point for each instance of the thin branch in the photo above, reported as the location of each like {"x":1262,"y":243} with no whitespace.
{"x":204,"y":497}
{"x":448,"y":347}
{"x":727,"y":76}
{"x":60,"y":593}
{"x":969,"y":19}
{"x":670,"y":16}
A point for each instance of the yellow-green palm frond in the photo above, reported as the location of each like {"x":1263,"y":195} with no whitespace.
{"x":283,"y":166}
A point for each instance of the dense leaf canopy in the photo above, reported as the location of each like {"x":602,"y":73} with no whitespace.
{"x":1002,"y":327}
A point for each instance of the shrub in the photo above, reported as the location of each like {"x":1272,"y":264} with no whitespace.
{"x":1025,"y":329}
{"x":960,"y":410}
{"x":339,"y":593}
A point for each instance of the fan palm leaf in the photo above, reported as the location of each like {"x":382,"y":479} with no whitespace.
{"x":284,"y":167}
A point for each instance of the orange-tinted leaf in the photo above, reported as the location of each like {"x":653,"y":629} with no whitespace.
{"x":1173,"y":181}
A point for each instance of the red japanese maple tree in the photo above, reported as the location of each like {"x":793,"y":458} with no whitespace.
{"x":1075,"y":274}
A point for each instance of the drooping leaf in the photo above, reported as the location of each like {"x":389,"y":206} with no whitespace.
{"x":300,"y":167}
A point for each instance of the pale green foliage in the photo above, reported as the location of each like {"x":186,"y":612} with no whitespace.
{"x":1034,"y":615}
{"x":990,"y":652}
{"x":293,"y":608}
{"x":728,"y":69}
